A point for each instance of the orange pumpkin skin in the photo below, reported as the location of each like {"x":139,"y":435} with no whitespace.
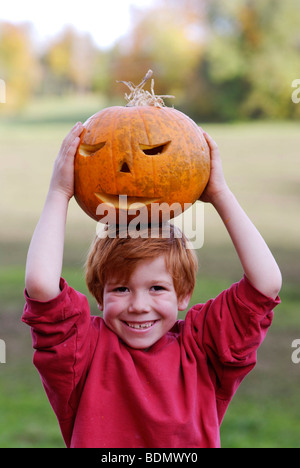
{"x":150,"y":154}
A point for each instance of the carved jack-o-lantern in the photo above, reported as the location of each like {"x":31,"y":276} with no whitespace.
{"x":149,"y":153}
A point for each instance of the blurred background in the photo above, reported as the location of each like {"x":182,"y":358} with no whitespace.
{"x":230,"y":66}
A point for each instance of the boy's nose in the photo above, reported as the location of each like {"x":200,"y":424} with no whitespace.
{"x":139,"y":304}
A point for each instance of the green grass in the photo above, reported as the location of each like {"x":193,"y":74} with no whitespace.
{"x":260,"y":162}
{"x":252,"y":424}
{"x":25,"y":418}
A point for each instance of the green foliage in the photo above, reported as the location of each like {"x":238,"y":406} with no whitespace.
{"x":222,"y":60}
{"x":255,"y":50}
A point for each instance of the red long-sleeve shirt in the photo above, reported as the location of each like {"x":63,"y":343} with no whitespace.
{"x":174,"y":395}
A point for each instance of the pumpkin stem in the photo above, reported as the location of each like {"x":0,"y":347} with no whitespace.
{"x":139,"y":97}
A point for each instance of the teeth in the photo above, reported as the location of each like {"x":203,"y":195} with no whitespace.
{"x":139,"y":326}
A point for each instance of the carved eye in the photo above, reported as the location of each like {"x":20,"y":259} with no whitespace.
{"x":154,"y":150}
{"x":89,"y":150}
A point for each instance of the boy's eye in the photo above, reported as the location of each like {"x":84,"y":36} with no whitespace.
{"x":158,"y":288}
{"x":121,"y":289}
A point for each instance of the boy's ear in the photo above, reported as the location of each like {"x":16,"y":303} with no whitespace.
{"x":100,"y":307}
{"x":184,"y":302}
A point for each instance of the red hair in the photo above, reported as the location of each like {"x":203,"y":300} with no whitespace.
{"x":119,"y":255}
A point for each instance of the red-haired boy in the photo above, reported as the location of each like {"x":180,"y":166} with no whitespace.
{"x":138,"y":377}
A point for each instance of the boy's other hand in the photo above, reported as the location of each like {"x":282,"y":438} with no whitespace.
{"x":217,"y":183}
{"x":63,"y":171}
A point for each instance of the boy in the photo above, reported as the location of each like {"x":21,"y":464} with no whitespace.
{"x":138,"y":378}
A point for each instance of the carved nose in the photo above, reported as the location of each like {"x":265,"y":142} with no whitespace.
{"x":125,"y":168}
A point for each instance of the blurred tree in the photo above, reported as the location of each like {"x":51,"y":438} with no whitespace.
{"x":101,"y":80}
{"x":252,"y":57}
{"x":18,"y":64}
{"x":165,"y":40}
{"x":69,"y":62}
{"x":221,"y":60}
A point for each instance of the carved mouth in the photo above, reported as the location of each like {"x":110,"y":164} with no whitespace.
{"x":123,"y":202}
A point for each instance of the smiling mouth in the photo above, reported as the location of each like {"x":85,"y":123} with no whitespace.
{"x":140,"y":325}
{"x":123,"y":202}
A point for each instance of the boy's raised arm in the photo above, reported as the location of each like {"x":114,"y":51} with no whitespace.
{"x":257,"y":261}
{"x":45,"y":255}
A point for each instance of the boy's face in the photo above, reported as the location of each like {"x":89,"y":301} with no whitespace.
{"x":143,"y":308}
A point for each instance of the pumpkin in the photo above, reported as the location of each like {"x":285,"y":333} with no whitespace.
{"x":151,"y":153}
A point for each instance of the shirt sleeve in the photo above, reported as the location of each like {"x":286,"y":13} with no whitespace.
{"x":230,"y":329}
{"x":62,"y":339}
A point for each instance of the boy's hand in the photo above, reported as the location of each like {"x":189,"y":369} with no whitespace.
{"x":63,"y":171}
{"x":217,"y":183}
